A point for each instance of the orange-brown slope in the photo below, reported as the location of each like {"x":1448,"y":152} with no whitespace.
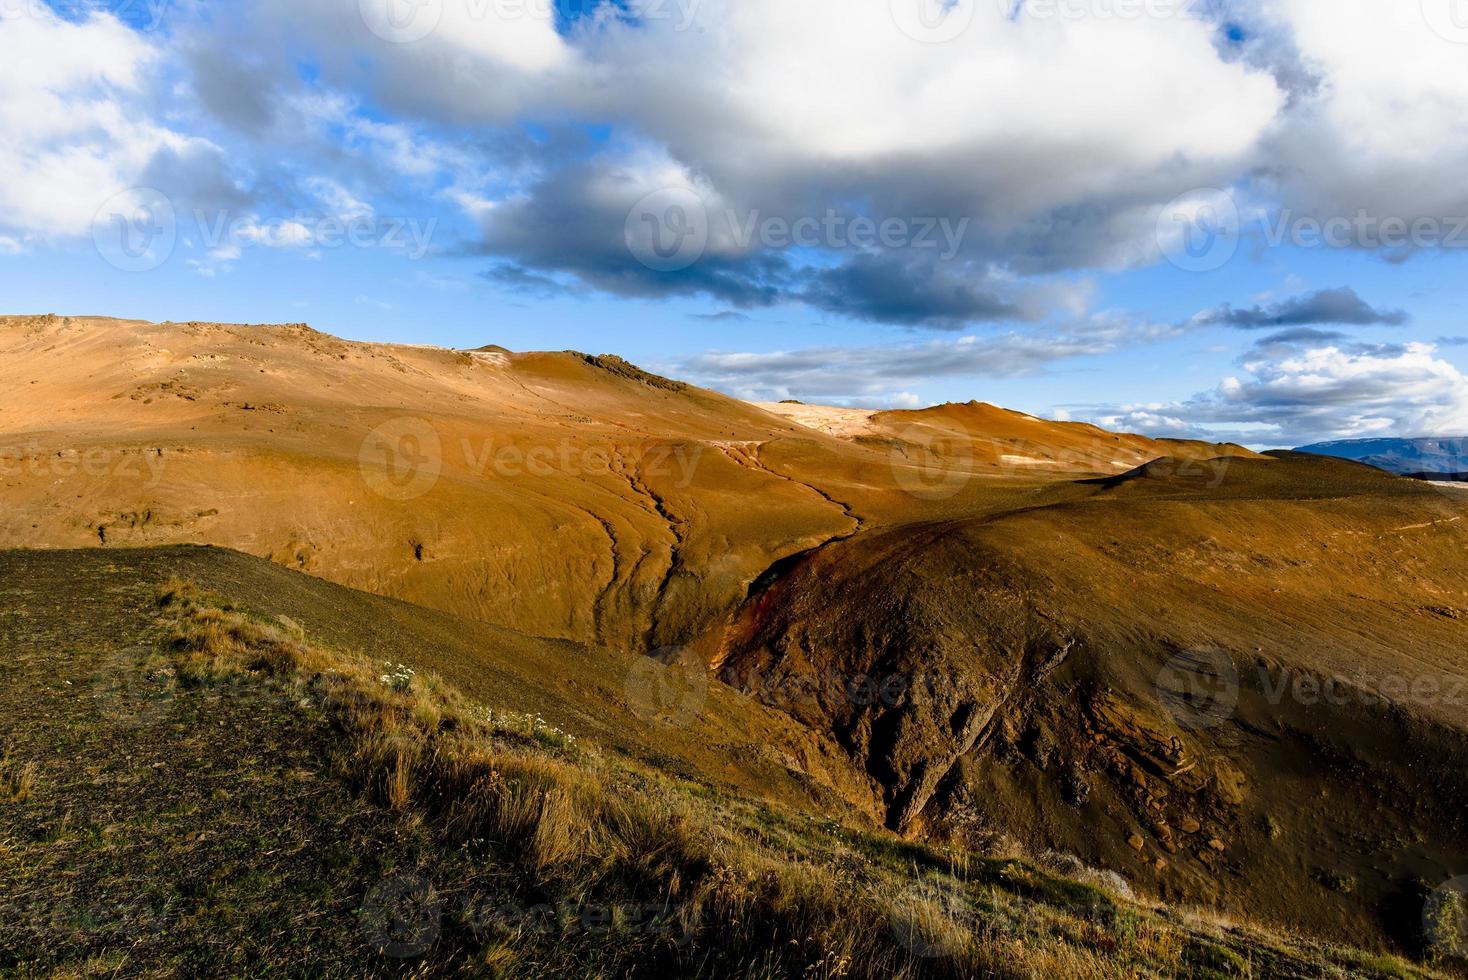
{"x":1252,"y":693}
{"x":554,"y":493}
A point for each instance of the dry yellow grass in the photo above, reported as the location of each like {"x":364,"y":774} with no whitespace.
{"x":17,"y":782}
{"x":752,"y":892}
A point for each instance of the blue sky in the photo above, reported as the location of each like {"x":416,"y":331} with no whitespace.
{"x":626,"y":180}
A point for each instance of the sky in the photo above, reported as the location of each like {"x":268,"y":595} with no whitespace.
{"x":1206,"y":218}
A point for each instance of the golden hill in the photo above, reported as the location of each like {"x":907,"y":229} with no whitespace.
{"x":554,"y":493}
{"x":1235,"y":679}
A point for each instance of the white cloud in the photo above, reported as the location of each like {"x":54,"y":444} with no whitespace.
{"x":1063,"y":137}
{"x":1387,"y":128}
{"x":336,"y":200}
{"x":75,"y":123}
{"x":1293,"y":395}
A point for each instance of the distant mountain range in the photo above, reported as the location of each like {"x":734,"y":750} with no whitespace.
{"x":1429,"y":459}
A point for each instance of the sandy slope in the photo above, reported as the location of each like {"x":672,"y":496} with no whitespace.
{"x":556,"y":494}
{"x":1044,"y":576}
{"x":1253,"y":694}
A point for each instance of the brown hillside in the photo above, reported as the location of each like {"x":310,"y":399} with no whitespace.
{"x":554,"y":493}
{"x":1254,"y":694}
{"x":968,"y":620}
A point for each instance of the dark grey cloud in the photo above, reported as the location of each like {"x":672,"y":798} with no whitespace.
{"x":522,"y":280}
{"x":723,"y":316}
{"x":887,"y":289}
{"x":198,"y":175}
{"x":572,"y":223}
{"x":1328,"y":306}
{"x":1304,"y":335}
{"x":236,"y":89}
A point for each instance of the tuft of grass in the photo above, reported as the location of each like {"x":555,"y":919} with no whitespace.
{"x":17,"y":781}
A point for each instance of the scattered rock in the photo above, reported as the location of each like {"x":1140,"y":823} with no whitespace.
{"x":1075,"y":789}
